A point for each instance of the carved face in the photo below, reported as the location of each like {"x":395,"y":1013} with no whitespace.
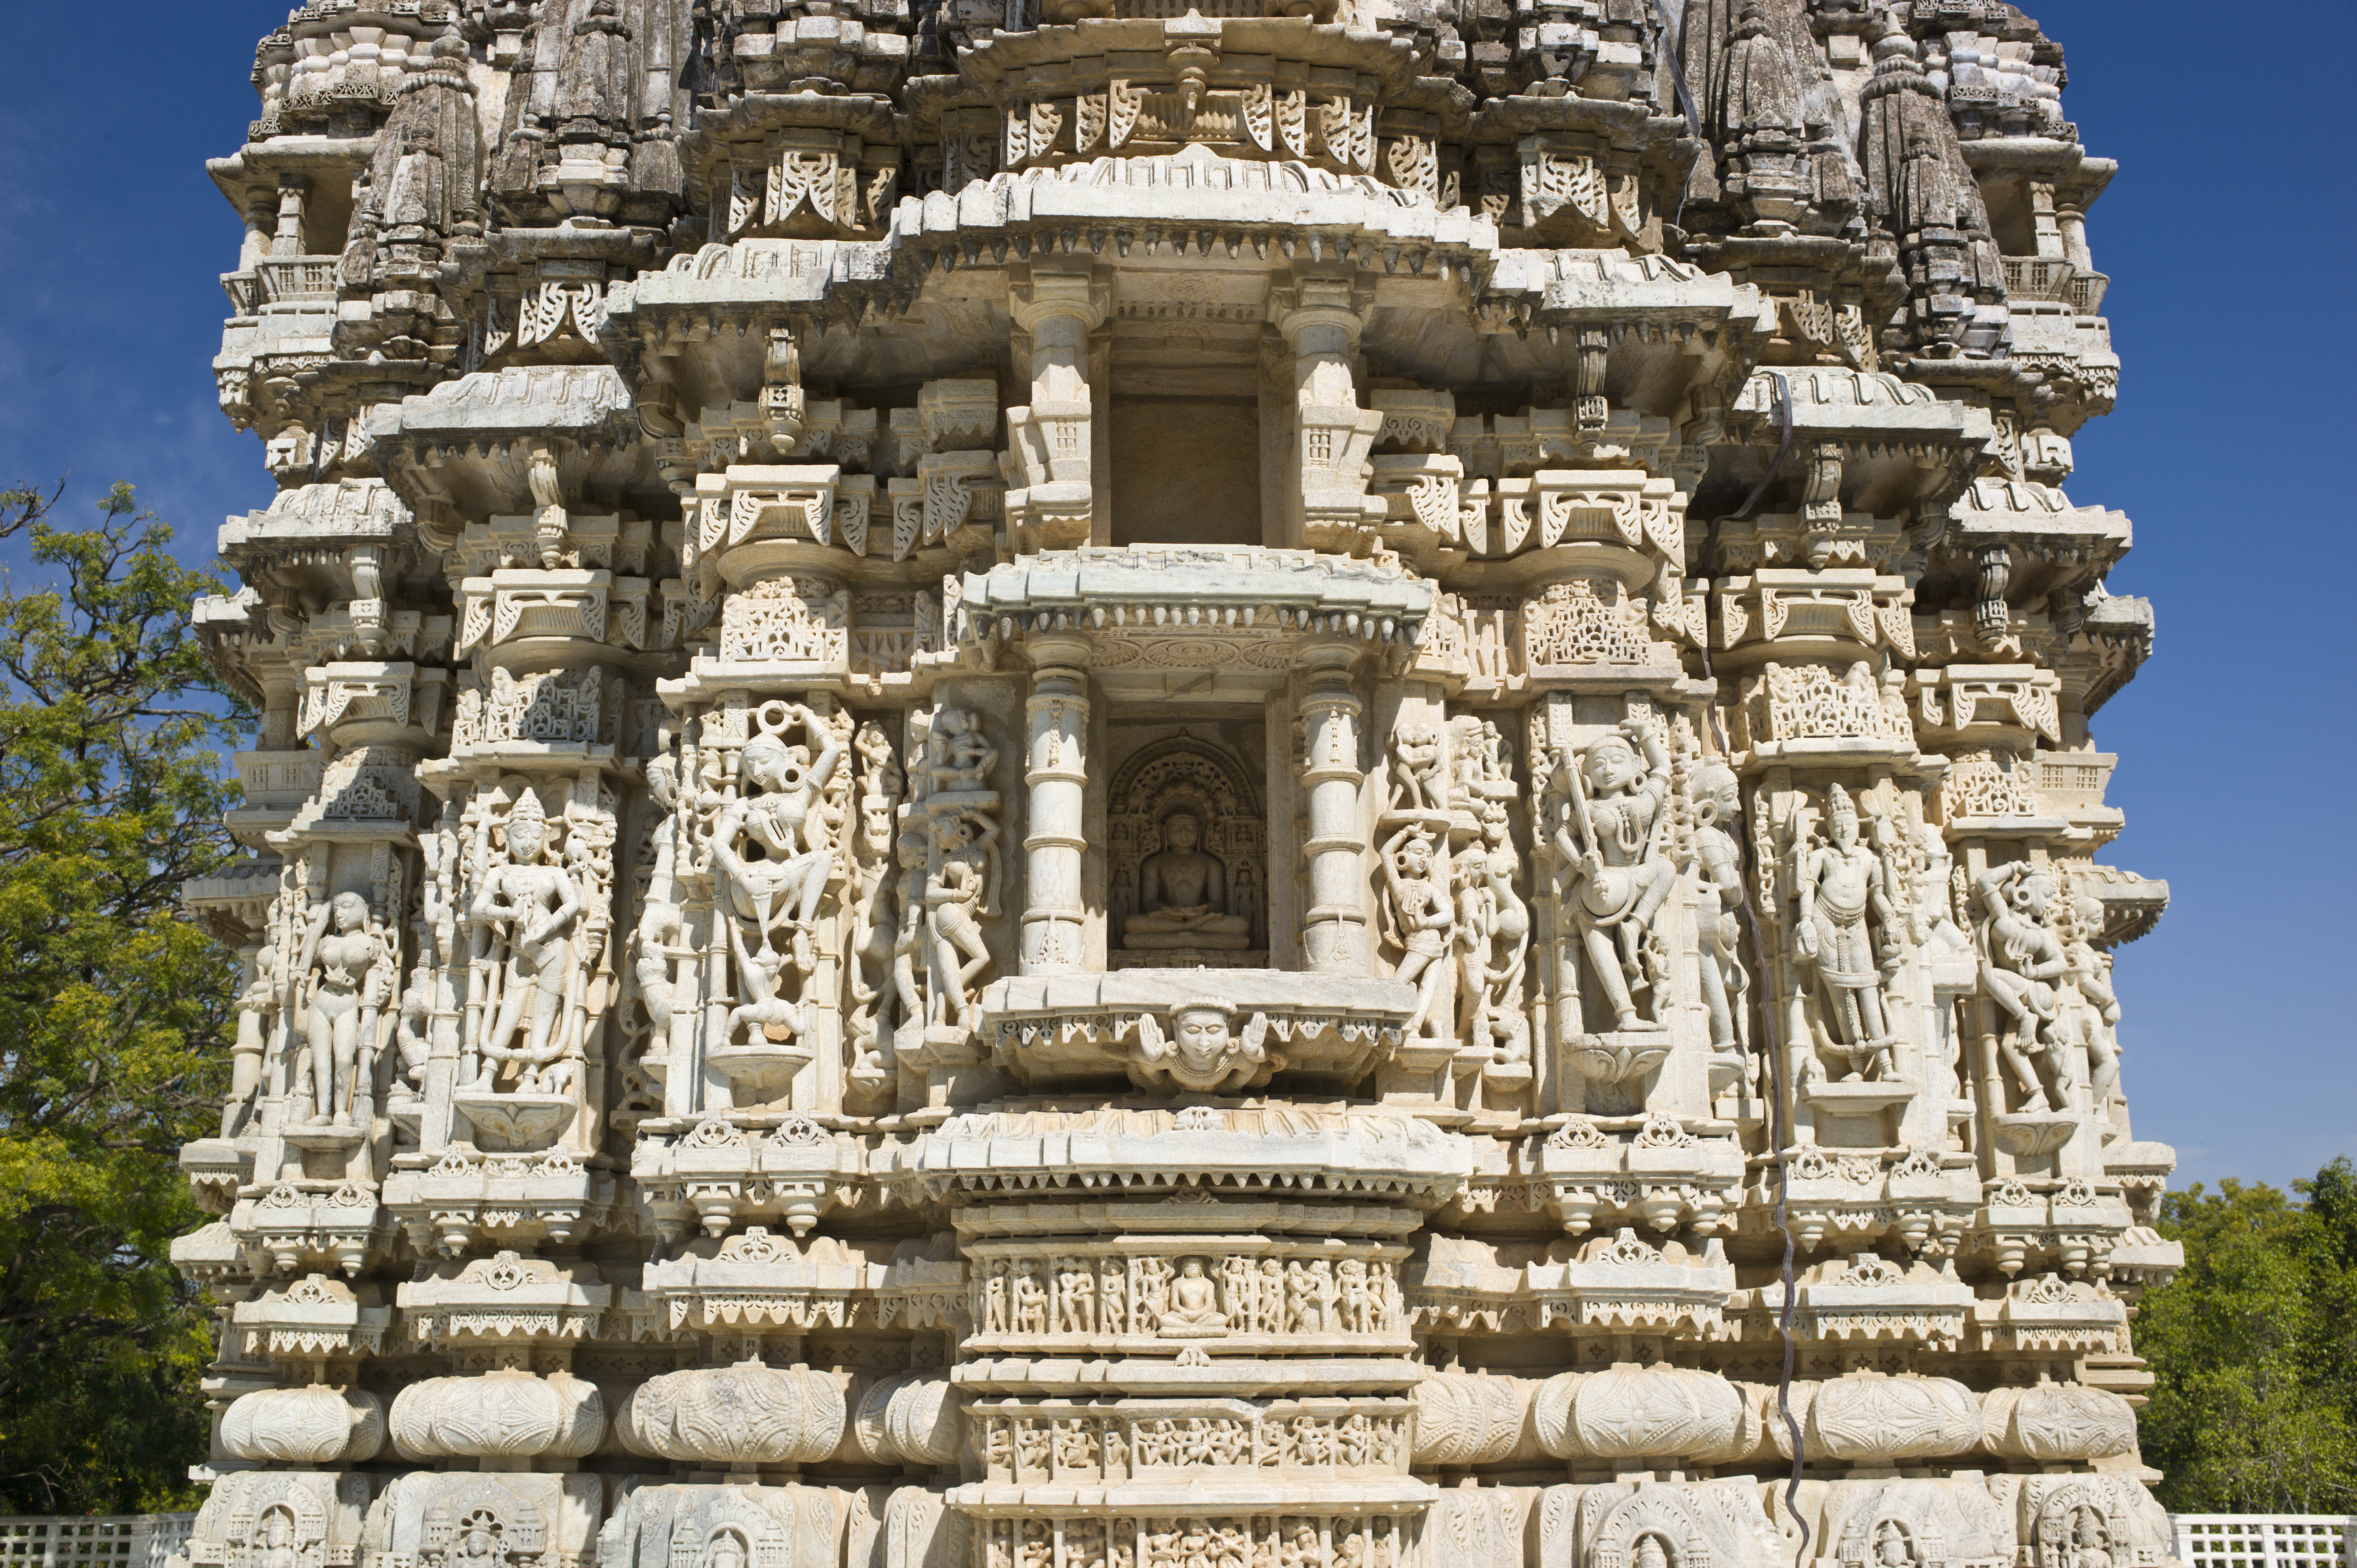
{"x":2032,"y":894}
{"x":1650,"y":1553}
{"x":1415,"y":858}
{"x":526,"y":839}
{"x":279,"y":1532}
{"x":1182,"y":832}
{"x":351,"y":911}
{"x":1192,"y":1269}
{"x":1202,"y":1033}
{"x":876,"y":823}
{"x":663,"y":781}
{"x":767,"y":761}
{"x":1611,"y":766}
{"x":1844,"y":829}
{"x":2090,"y":1532}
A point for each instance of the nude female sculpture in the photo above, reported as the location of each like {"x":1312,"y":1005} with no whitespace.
{"x":348,"y":973}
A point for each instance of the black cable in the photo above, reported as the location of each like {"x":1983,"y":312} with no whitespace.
{"x":1675,"y":35}
{"x":1777,"y":1127}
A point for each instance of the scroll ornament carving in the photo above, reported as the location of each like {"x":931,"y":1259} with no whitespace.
{"x":1872,"y":1418}
{"x":317,"y":1424}
{"x":1463,"y":1418}
{"x":911,"y":1418}
{"x":506,"y":1415}
{"x":739,"y":1416}
{"x":1627,"y":1411}
{"x":2057,"y":1423}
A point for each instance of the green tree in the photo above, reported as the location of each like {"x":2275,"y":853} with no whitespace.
{"x":2253,"y":1408}
{"x":113,"y":1004}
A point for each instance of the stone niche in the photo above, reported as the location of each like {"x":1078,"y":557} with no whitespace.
{"x":1185,"y":470}
{"x":1187,"y":845}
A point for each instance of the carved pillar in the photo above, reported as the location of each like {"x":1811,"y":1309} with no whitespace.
{"x":1334,"y":928}
{"x":1055,"y":769}
{"x":2072,"y":220}
{"x":1052,"y":439}
{"x":1325,"y":503}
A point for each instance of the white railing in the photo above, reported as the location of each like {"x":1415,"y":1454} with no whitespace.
{"x":2265,"y":1540}
{"x":94,"y":1540}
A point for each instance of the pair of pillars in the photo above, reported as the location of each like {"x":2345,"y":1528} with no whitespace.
{"x":1334,"y":926}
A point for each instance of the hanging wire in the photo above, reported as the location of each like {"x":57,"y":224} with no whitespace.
{"x":1676,"y":41}
{"x":1778,"y":1129}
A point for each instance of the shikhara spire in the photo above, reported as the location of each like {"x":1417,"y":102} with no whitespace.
{"x":1100,"y":784}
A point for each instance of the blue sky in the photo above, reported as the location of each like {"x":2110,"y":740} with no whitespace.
{"x":2235,"y":740}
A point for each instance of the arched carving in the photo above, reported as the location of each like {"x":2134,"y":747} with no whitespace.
{"x":1177,"y":775}
{"x":483,"y":1525}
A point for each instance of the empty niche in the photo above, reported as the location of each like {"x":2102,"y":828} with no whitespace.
{"x":1185,"y":470}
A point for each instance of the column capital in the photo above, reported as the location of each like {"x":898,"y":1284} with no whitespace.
{"x":1311,"y":300}
{"x":1044,"y":291}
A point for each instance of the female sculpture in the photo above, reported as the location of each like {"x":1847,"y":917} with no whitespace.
{"x":1422,"y":921}
{"x":347,"y":972}
{"x":962,"y":891}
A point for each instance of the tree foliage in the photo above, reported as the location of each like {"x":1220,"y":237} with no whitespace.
{"x":2254,"y":1349}
{"x":113,"y":1004}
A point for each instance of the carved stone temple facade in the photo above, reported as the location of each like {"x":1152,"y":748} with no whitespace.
{"x":1122,"y":784}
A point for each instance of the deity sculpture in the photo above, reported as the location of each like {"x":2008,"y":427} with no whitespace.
{"x":1719,"y":863}
{"x":2090,"y":973}
{"x":524,"y":921}
{"x":778,"y":811}
{"x":1605,"y":832}
{"x":347,"y":975}
{"x":277,"y":1547}
{"x":257,"y":1014}
{"x":2090,"y":1543}
{"x":2021,"y":959}
{"x":1839,"y":883}
{"x":1493,"y":935}
{"x":1183,"y":894}
{"x":1422,"y":921}
{"x":478,"y":1545}
{"x":960,"y":894}
{"x":1193,"y":1311}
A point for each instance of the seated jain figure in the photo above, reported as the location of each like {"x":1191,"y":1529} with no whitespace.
{"x":1182,"y":895}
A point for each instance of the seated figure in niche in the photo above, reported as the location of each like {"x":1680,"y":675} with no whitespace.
{"x":1182,"y":895}
{"x":1194,"y":1308}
